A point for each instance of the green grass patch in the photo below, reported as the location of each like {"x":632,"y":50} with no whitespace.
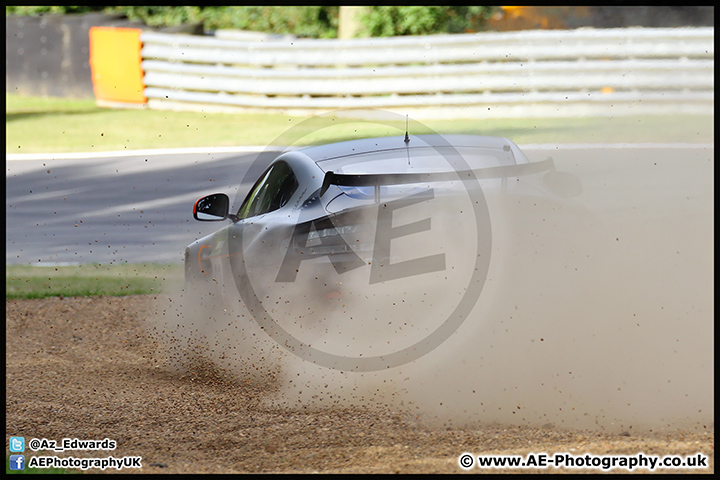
{"x":24,"y":281}
{"x":71,"y":125}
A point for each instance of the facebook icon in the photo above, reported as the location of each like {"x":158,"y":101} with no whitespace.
{"x":17,"y":462}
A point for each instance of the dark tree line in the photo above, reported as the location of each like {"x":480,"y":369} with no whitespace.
{"x":311,"y":22}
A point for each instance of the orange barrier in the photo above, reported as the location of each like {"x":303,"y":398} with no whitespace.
{"x":115,"y":65}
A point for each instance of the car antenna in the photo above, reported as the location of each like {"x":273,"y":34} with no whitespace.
{"x":407,"y":139}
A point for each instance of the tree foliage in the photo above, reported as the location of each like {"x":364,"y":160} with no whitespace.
{"x":302,"y":21}
{"x":314,"y":21}
{"x":47,"y":9}
{"x":386,"y":21}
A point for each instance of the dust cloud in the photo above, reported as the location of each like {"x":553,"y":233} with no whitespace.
{"x":595,"y":312}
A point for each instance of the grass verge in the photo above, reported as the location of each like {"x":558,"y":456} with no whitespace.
{"x":25,"y":281}
{"x":71,"y":125}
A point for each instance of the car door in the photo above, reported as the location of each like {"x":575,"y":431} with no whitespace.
{"x":259,"y":219}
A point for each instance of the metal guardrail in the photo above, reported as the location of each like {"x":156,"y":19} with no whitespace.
{"x":528,"y":73}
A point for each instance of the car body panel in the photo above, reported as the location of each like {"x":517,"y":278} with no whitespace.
{"x":330,"y":213}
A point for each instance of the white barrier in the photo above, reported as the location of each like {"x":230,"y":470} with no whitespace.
{"x":527,"y":73}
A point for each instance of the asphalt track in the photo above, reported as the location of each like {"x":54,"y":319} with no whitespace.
{"x":135,"y":207}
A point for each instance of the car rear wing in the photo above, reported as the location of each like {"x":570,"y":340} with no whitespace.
{"x":377,"y":180}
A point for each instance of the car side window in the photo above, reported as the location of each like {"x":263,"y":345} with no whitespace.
{"x":272,"y":191}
